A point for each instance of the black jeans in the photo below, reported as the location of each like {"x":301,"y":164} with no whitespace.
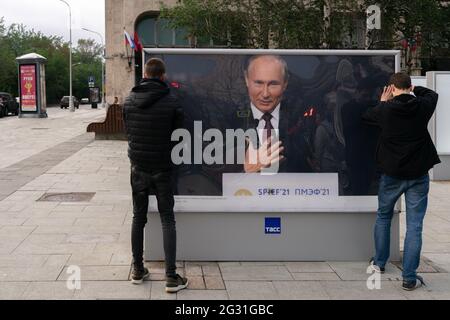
{"x":142,"y":184}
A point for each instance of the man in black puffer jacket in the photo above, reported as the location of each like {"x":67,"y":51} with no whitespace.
{"x":151,"y":114}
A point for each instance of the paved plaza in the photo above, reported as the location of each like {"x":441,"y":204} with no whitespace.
{"x":41,"y":240}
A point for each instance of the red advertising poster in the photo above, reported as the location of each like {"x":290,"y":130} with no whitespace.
{"x":28,"y":90}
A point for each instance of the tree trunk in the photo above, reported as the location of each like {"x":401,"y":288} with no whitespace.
{"x":327,"y":9}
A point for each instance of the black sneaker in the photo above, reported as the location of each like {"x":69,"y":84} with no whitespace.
{"x":376,"y":268}
{"x":175,"y":284}
{"x":138,"y":275}
{"x":413,"y":285}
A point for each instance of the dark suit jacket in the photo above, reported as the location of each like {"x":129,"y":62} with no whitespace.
{"x":296,"y":149}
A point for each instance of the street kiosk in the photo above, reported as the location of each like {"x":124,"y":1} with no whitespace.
{"x":32,"y":87}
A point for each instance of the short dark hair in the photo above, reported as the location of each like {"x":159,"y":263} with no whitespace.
{"x":155,"y":68}
{"x":401,"y":81}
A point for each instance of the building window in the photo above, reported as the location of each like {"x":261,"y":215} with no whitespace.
{"x":146,"y":30}
{"x":154,"y":32}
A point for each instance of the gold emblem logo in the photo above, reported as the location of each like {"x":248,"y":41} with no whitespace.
{"x":243,"y":193}
{"x":28,"y":86}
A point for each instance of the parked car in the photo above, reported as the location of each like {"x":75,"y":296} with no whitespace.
{"x":8,"y":104}
{"x":85,"y":101}
{"x":65,"y":102}
{"x":2,"y":109}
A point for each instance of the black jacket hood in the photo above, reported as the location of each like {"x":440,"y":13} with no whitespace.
{"x":405,"y":105}
{"x":149,"y":91}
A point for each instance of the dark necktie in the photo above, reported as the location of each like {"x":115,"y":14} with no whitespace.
{"x":267,"y":117}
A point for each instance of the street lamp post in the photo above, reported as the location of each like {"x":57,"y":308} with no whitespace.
{"x":71,"y":105}
{"x":103,"y":64}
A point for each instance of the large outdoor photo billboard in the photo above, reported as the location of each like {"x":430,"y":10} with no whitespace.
{"x":313,"y":101}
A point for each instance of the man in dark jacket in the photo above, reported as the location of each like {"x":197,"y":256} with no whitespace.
{"x":151,"y":114}
{"x":405,"y":154}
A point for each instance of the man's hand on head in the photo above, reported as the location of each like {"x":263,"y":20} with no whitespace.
{"x":387,"y":93}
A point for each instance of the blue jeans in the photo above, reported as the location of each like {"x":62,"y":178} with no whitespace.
{"x":416,"y":197}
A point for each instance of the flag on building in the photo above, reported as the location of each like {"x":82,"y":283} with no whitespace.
{"x":137,"y":42}
{"x":129,"y":40}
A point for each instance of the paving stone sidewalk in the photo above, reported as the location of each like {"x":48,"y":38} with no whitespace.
{"x":40,"y":241}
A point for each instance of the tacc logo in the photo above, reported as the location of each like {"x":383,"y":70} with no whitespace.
{"x":272,"y":226}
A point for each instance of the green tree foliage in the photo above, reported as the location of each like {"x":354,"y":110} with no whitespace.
{"x":87,"y":62}
{"x":7,"y":70}
{"x":423,"y":24}
{"x":17,"y":40}
{"x":314,"y":24}
{"x":407,"y":18}
{"x":264,"y":23}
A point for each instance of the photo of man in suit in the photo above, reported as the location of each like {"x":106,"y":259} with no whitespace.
{"x":267,"y":78}
{"x":297,"y":98}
